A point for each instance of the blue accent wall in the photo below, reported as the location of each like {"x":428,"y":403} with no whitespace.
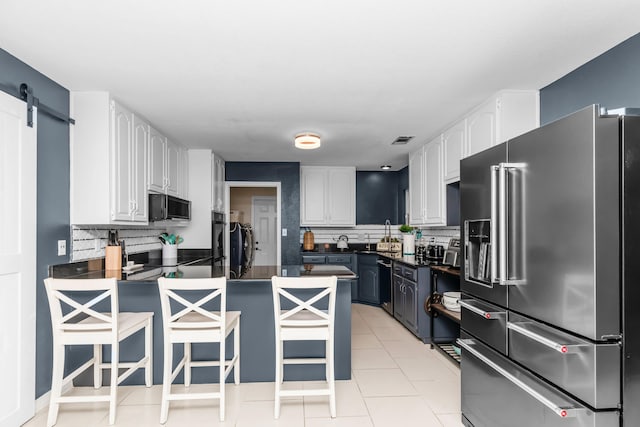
{"x":611,"y":80}
{"x":52,"y":198}
{"x":288,"y":174}
{"x":376,"y":197}
{"x":403,"y":186}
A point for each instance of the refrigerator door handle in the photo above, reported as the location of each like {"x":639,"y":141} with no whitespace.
{"x":560,"y":348}
{"x":493,"y":232}
{"x":562,"y":412}
{"x":489,"y":315}
{"x":503,"y":222}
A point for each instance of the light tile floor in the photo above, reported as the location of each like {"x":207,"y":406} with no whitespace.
{"x":396,"y":381}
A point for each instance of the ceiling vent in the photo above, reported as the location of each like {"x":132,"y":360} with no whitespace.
{"x":401,"y":140}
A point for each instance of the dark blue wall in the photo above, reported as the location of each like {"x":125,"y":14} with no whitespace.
{"x":403,"y":186}
{"x":288,"y":174}
{"x":611,"y":80}
{"x":53,"y":195}
{"x":376,"y":197}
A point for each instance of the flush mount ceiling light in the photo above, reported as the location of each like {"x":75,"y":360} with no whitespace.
{"x":307,"y":140}
{"x":385,"y":167}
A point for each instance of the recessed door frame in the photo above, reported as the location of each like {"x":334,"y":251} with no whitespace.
{"x":227,"y":197}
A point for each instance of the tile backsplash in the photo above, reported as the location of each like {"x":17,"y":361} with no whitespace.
{"x":89,"y":242}
{"x":374,"y":233}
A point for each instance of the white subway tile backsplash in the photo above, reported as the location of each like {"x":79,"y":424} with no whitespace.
{"x":87,"y":239}
{"x":374,"y":233}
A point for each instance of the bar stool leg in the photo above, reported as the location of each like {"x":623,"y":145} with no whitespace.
{"x":114,"y":382}
{"x":236,"y":353}
{"x":148,"y":352}
{"x":278,"y":377}
{"x":187,"y":364}
{"x":223,"y":365}
{"x":331,"y":379}
{"x":97,"y":365}
{"x":166,"y":380}
{"x":56,"y":384}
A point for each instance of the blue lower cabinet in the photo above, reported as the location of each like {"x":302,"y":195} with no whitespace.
{"x":368,"y":282}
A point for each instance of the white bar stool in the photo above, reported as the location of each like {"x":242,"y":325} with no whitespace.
{"x":195,"y":324}
{"x":307,"y":320}
{"x":77,"y":323}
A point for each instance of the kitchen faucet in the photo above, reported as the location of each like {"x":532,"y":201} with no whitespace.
{"x":387,"y":226}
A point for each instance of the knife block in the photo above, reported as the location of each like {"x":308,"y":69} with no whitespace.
{"x":113,"y":258}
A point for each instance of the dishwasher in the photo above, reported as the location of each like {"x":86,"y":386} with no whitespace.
{"x":385,"y":282}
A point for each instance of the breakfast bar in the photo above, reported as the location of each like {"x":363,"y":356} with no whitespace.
{"x":248,"y":291}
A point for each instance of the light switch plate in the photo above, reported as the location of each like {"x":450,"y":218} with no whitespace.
{"x":62,"y":247}
{"x":284,"y":232}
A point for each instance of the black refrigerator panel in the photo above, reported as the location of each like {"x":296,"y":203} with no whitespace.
{"x":498,"y":393}
{"x":631,"y":269}
{"x":478,"y":189}
{"x":561,"y":217}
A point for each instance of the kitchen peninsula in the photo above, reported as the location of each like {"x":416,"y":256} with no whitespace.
{"x":248,"y":291}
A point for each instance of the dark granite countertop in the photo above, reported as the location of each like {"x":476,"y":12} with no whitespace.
{"x":200,"y":269}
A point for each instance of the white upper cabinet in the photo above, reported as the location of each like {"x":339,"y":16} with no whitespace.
{"x":454,"y":142}
{"x":426,"y":185}
{"x":434,"y":185}
{"x":217,"y":187}
{"x":327,"y":196}
{"x":416,"y":187}
{"x":108,"y":155}
{"x":171,"y":169}
{"x":157,"y":159}
{"x":503,"y":116}
{"x":167,"y":166}
{"x":139,"y":162}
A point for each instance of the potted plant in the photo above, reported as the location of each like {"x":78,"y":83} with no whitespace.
{"x":408,"y":240}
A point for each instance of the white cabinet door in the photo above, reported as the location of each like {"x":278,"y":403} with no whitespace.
{"x":139,"y":173}
{"x":171,"y":171}
{"x":481,"y":128}
{"x":217,"y":189}
{"x":454,"y":143}
{"x":183,"y":173}
{"x":416,"y":187}
{"x":313,"y":204}
{"x":341,"y":196}
{"x":121,"y":143}
{"x":156,"y":164}
{"x":433,"y":184}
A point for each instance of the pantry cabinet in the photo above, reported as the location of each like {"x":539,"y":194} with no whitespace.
{"x":108,"y":146}
{"x":327,"y":196}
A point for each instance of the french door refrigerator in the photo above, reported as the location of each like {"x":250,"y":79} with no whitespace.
{"x":551,"y":276}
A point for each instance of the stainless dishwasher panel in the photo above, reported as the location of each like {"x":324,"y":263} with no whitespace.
{"x":485,"y":321}
{"x":589,"y":371}
{"x":491,"y":384}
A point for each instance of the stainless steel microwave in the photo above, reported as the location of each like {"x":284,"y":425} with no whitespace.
{"x":164,"y":207}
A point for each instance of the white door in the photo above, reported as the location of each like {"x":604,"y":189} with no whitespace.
{"x":265,"y":230}
{"x":17,"y":263}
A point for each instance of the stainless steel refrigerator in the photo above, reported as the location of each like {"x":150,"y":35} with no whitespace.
{"x":551,"y":276}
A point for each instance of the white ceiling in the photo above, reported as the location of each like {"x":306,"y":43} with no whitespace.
{"x":244,"y":76}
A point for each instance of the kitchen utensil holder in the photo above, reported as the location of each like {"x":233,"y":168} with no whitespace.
{"x":169,"y":254}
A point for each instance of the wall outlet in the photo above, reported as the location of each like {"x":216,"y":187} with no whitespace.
{"x":284,"y":232}
{"x":62,"y":247}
